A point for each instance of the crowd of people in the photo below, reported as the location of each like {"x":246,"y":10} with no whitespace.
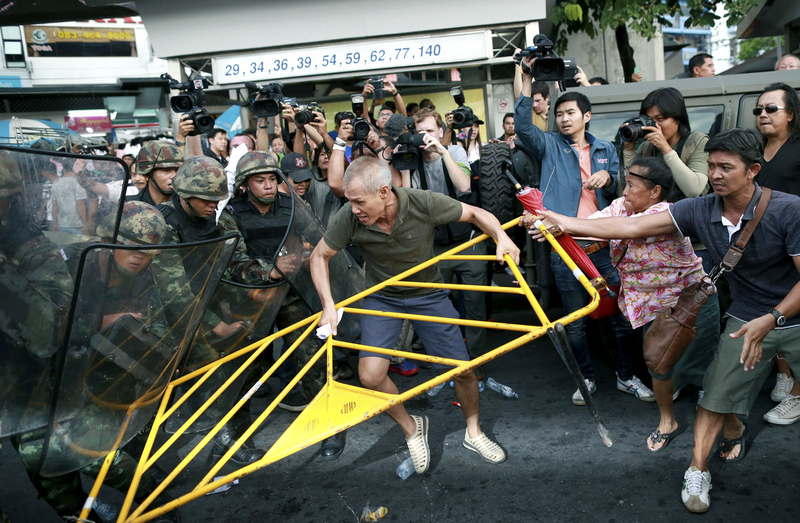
{"x":655,"y":217}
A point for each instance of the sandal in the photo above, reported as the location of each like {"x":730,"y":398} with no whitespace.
{"x":418,"y":445}
{"x":659,"y":437}
{"x":488,"y":449}
{"x":727,"y":445}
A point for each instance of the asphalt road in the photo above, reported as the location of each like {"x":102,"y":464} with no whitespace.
{"x":557,"y":467}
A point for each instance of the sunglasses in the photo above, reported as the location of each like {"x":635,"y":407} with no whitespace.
{"x":770,"y":109}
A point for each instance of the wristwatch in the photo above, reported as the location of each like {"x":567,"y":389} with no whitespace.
{"x":780,"y":319}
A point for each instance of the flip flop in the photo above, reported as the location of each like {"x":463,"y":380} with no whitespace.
{"x":658,"y":437}
{"x":726,"y":445}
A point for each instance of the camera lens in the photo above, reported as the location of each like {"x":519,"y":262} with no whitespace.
{"x":181,"y":103}
{"x":630,"y":133}
{"x":303,"y":117}
{"x":204,"y":123}
{"x":361,"y":129}
{"x":266,"y":108}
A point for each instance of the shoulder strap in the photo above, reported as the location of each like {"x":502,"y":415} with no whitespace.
{"x":736,"y":250}
{"x":690,"y":146}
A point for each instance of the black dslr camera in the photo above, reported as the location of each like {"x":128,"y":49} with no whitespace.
{"x":306,"y":113}
{"x":548,"y":66}
{"x":361,"y":126}
{"x":271,"y":99}
{"x":634,"y":130}
{"x":463,"y":116}
{"x":406,"y":157}
{"x":190,"y":102}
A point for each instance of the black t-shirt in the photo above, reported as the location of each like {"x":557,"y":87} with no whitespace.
{"x":782,"y":173}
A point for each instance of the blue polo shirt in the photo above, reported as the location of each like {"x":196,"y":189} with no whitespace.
{"x":766,"y":272}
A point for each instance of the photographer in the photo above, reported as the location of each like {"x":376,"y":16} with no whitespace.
{"x":584,"y":171}
{"x":468,"y":137}
{"x":445,"y":170}
{"x":339,"y":162}
{"x":540,"y":92}
{"x":400,"y":106}
{"x":670,"y":139}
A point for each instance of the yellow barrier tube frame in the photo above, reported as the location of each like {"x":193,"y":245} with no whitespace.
{"x":532,"y":333}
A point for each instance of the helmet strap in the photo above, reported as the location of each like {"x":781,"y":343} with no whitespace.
{"x":262,"y":201}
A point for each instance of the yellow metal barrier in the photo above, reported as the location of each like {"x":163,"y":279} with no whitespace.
{"x":338,"y":406}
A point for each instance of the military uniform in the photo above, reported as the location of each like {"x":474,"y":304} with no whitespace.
{"x":155,"y":154}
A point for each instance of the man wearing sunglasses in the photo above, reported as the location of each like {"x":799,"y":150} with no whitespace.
{"x":777,"y":120}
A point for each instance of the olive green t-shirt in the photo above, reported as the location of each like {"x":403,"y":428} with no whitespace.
{"x":409,"y":244}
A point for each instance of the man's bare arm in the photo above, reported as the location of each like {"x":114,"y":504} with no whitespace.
{"x":319,"y":274}
{"x":487,"y":222}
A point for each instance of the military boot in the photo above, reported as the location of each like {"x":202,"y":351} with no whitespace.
{"x":223,"y":441}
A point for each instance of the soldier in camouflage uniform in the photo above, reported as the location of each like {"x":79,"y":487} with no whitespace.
{"x":262,"y":215}
{"x":158,"y":161}
{"x":199,"y":185}
{"x":141,"y":224}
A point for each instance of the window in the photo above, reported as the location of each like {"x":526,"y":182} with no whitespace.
{"x":12,"y":47}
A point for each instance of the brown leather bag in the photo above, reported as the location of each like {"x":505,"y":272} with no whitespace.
{"x":673,"y":329}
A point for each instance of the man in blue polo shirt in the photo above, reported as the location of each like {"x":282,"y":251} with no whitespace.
{"x":765,"y":289}
{"x":579,"y":174}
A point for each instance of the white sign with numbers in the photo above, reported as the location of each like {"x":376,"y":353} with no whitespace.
{"x":353,"y":57}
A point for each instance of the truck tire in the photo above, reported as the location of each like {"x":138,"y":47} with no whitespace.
{"x":497,"y":192}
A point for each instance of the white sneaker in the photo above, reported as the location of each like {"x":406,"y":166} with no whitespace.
{"x":786,"y":413}
{"x":694,"y":493}
{"x":637,"y":388}
{"x":783,"y":386}
{"x":577,"y":398}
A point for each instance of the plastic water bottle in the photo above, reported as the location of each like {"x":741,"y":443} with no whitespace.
{"x":436,"y":390}
{"x":223,"y":488}
{"x":108,"y":513}
{"x":505,"y":390}
{"x":406,"y":468}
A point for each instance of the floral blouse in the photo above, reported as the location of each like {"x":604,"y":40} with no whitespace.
{"x":654,"y":271}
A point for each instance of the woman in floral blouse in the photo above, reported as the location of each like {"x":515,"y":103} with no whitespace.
{"x":653,"y":271}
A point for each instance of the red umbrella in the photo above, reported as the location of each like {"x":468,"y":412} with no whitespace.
{"x":532,"y":201}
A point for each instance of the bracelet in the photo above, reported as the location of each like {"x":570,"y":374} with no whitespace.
{"x":179,"y":143}
{"x":396,"y":93}
{"x":340,"y":142}
{"x":337,"y":147}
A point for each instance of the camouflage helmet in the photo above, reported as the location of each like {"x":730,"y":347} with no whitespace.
{"x":253,"y":163}
{"x":10,"y":177}
{"x":157,"y":154}
{"x":201,"y":177}
{"x":141,"y":224}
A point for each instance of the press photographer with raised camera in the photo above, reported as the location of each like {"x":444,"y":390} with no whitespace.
{"x":663,"y":126}
{"x":376,"y":89}
{"x":445,"y":169}
{"x":579,"y":174}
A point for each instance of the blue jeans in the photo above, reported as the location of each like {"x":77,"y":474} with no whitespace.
{"x":575,"y":297}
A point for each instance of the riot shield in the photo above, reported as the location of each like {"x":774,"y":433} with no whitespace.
{"x":45,"y":214}
{"x":346,"y":277}
{"x":256,"y":307}
{"x":131,"y":326}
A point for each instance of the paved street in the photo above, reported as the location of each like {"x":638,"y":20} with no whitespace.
{"x":557,"y":470}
